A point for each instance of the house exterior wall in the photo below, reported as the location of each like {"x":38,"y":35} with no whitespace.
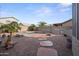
{"x":75,"y":37}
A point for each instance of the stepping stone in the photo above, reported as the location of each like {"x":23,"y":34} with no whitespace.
{"x":46,"y":43}
{"x":42,"y":39}
{"x":46,"y":52}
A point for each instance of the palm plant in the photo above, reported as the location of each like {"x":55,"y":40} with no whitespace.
{"x":10,"y":28}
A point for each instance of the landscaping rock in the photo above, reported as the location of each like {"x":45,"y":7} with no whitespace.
{"x":46,"y":43}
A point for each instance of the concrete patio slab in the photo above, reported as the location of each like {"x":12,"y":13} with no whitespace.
{"x":46,"y":52}
{"x":46,"y":43}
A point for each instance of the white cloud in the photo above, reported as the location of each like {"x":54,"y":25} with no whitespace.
{"x":43,"y":11}
{"x":65,"y":4}
{"x":64,"y":7}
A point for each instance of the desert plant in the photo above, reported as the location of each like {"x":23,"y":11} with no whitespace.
{"x":42,"y":25}
{"x":32,"y":27}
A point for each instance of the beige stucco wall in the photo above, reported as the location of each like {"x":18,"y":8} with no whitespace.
{"x":24,"y":28}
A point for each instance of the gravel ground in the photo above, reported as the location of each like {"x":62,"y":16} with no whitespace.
{"x":28,"y":46}
{"x":59,"y":43}
{"x":25,"y":47}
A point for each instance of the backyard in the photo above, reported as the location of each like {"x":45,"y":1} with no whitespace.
{"x":36,"y":29}
{"x":29,"y":45}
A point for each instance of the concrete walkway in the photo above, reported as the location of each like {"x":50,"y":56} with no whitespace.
{"x":42,"y":51}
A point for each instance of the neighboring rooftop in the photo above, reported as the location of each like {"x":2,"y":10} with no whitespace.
{"x":5,"y":20}
{"x":63,"y":22}
{"x":67,"y":21}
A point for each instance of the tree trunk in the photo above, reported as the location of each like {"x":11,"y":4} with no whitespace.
{"x":10,"y":35}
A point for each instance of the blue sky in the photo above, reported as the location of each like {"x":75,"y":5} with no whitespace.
{"x":33,"y":13}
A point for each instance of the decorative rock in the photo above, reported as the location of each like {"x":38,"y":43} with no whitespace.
{"x":42,"y":39}
{"x":48,"y":34}
{"x":46,"y":43}
{"x":46,"y":52}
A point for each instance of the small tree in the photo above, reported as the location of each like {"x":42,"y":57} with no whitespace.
{"x":42,"y":25}
{"x":32,"y":27}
